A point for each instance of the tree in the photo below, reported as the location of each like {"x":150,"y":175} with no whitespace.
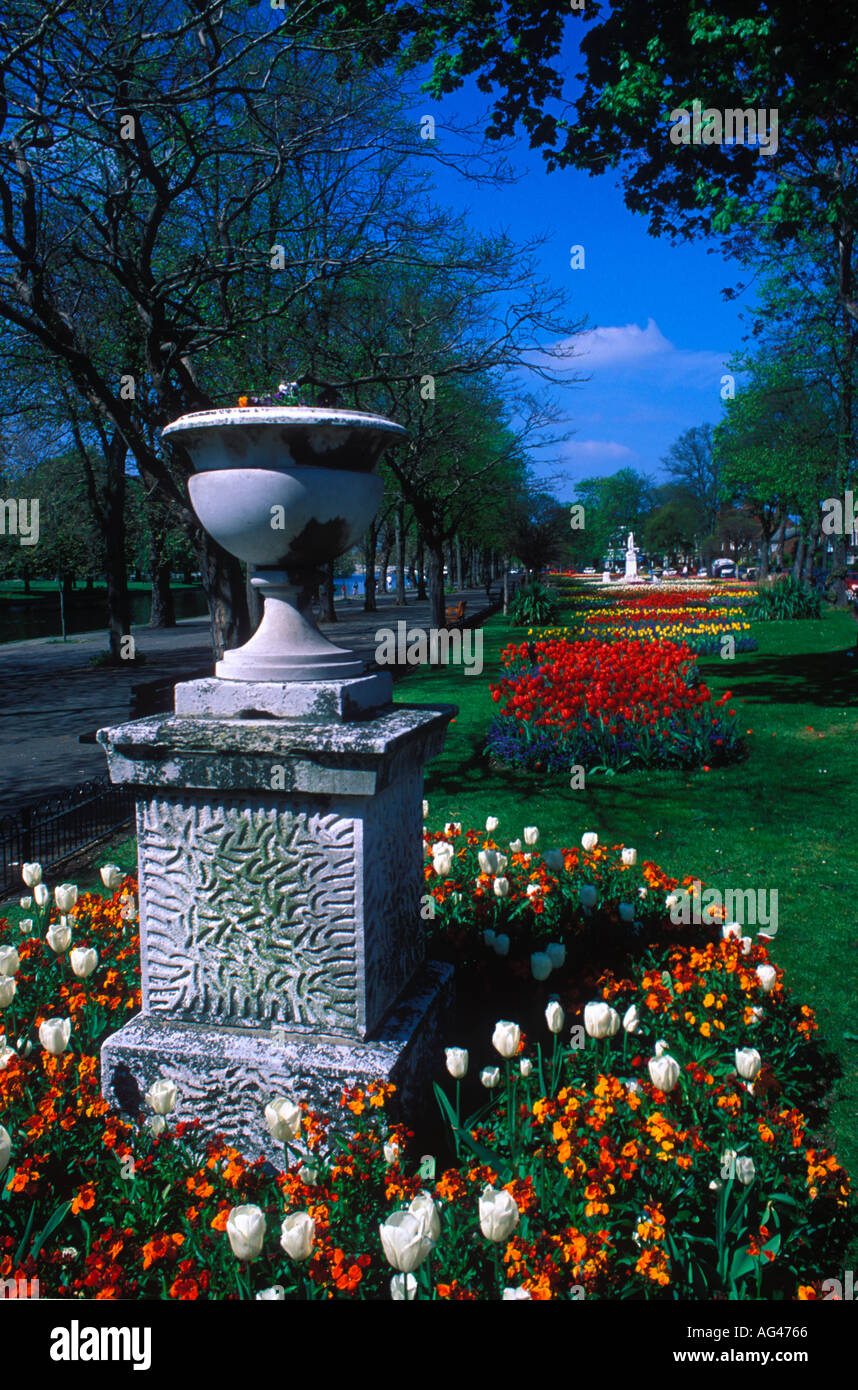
{"x":613,"y":506}
{"x":692,"y":461}
{"x":204,"y":175}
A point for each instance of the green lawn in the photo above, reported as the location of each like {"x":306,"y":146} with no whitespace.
{"x":785,"y":819}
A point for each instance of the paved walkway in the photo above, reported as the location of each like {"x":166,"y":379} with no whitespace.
{"x":50,"y":693}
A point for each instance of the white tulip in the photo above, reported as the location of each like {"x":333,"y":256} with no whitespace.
{"x":554,"y":1016}
{"x":499,"y":1214}
{"x":515,"y":846}
{"x":501,"y":887}
{"x":627,"y":912}
{"x":631,"y":1020}
{"x":25,"y":926}
{"x":661,"y":1047}
{"x":748,"y":1062}
{"x":391,"y":1152}
{"x":731,"y":929}
{"x":506,"y":1038}
{"x":746,"y":943}
{"x":111,"y":876}
{"x":8,"y":987}
{"x":276,"y":1294}
{"x":59,"y":938}
{"x":663,"y":1072}
{"x":26,"y":903}
{"x":501,"y":944}
{"x":442,"y":847}
{"x":671,"y":901}
{"x":488,"y":861}
{"x":525,"y":1066}
{"x":757,"y":1016}
{"x":6,"y":1053}
{"x":40,"y":895}
{"x":308,"y":1175}
{"x":492,"y":824}
{"x":403,"y":1288}
{"x":283,"y":1118}
{"x":534,"y":890}
{"x":425,"y":809}
{"x":600,"y":1020}
{"x":518,"y":1295}
{"x":425,"y":1209}
{"x":630,"y":858}
{"x":65,"y":896}
{"x":745,"y":1170}
{"x":83,"y":960}
{"x":297,"y":1235}
{"x":531,"y":834}
{"x":24,"y":1046}
{"x":5,"y":1149}
{"x":162,"y":1096}
{"x":490,"y":1077}
{"x":54,"y":1035}
{"x":556,"y":953}
{"x":404,"y":1242}
{"x":540,"y":965}
{"x":553,"y":860}
{"x":767,"y":976}
{"x":502,"y":861}
{"x":245,"y":1227}
{"x":10,"y":961}
{"x":442,"y":864}
{"x":587,"y":895}
{"x":31,"y":874}
{"x":589,"y":841}
{"x":457,"y":1061}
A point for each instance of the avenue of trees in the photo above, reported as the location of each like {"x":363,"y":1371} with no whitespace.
{"x":200,"y":200}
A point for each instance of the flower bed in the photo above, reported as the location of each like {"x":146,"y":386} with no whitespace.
{"x":692,"y":616}
{"x":656,"y":1144}
{"x":609,"y":705}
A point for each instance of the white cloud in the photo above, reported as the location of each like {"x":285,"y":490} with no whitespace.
{"x":594,"y":450}
{"x":628,"y":346}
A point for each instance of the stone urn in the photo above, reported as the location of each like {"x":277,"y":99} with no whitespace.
{"x":286,"y":489}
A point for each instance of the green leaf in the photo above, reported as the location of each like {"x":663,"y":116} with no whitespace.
{"x":51,"y":1225}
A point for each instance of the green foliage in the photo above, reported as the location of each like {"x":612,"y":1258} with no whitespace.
{"x":788,"y":598}
{"x":533,"y":604}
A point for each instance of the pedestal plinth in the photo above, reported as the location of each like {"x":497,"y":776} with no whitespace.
{"x":282,"y":949}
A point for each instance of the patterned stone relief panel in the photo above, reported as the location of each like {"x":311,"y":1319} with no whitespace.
{"x":248,"y":913}
{"x":393,"y":860}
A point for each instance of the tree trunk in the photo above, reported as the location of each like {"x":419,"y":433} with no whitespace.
{"x":329,"y":612}
{"x":419,"y":563}
{"x":369,"y":552}
{"x":385,"y":561}
{"x":437,"y":616}
{"x":459,"y":575}
{"x":798,"y":560}
{"x":506,"y":585}
{"x":400,"y":553}
{"x":163,"y":611}
{"x":224,"y":586}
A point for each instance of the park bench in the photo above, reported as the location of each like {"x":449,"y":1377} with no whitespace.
{"x":456,"y":615}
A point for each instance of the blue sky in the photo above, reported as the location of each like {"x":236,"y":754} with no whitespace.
{"x":661,"y":333}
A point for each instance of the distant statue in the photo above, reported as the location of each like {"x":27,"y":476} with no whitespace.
{"x":631,"y":560}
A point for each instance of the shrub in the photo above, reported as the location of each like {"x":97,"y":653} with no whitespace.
{"x":787,"y":598}
{"x":533,"y":604}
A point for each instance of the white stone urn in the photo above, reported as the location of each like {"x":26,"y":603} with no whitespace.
{"x":286,"y":489}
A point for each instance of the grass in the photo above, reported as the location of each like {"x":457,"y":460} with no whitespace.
{"x":783,"y":820}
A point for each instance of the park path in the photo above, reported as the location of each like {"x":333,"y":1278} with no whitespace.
{"x":50,"y":694}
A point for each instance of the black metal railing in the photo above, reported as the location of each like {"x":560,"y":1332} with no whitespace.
{"x":58,"y":826}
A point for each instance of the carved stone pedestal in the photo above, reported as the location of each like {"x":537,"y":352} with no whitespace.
{"x":281,"y":943}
